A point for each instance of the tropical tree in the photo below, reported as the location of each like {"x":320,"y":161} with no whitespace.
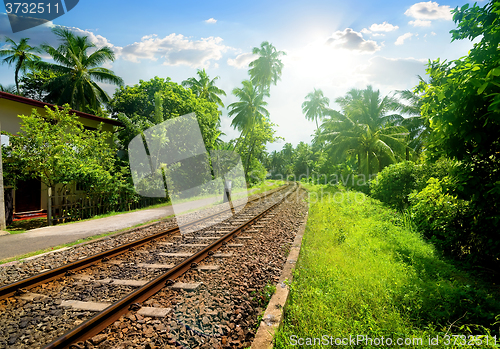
{"x":418,"y":127}
{"x":78,"y":71}
{"x":205,"y":88}
{"x":8,"y":89}
{"x":22,"y":55}
{"x":366,"y":129}
{"x":462,"y":104}
{"x":253,"y":149}
{"x":266,"y":69}
{"x":316,"y":106}
{"x":33,"y":84}
{"x":250,"y":110}
{"x":151,"y":102}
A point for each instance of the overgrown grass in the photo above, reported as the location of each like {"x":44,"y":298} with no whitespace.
{"x":362,"y":272}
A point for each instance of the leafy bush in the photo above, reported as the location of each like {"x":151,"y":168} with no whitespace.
{"x":396,"y":182}
{"x":442,"y":217}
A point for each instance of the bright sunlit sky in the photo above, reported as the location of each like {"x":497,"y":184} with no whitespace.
{"x":330,"y":45}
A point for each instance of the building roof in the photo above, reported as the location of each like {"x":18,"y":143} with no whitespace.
{"x":36,"y":103}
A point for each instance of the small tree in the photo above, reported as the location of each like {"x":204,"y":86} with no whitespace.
{"x":56,"y":148}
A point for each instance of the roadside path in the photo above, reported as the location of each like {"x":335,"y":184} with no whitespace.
{"x":46,"y":237}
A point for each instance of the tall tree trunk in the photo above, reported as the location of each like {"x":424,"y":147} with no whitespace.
{"x":250,"y":150}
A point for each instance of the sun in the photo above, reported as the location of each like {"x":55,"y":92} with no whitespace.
{"x":321,"y":61}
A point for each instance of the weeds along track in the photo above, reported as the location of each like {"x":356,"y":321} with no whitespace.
{"x":196,"y":290}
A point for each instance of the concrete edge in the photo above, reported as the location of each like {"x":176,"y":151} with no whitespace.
{"x":273,"y":316}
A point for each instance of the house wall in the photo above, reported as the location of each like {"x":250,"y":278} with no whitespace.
{"x":10,"y":122}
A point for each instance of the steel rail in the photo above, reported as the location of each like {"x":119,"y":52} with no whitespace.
{"x":49,"y":275}
{"x":96,"y":324}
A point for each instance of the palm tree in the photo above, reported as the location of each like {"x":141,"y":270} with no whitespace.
{"x":366,"y":129}
{"x":22,"y":55}
{"x":8,"y":89}
{"x":418,"y":127}
{"x":266,"y":69}
{"x":77,"y":72}
{"x":316,"y":106}
{"x":205,"y":88}
{"x":250,"y":110}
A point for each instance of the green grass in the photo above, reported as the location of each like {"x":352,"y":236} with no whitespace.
{"x":363,"y":272}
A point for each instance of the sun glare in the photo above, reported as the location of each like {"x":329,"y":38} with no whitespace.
{"x":323,"y":62}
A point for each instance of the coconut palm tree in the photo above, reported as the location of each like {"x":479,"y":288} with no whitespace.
{"x":367,"y":128}
{"x":418,"y":127}
{"x":22,"y":55}
{"x":250,"y":110}
{"x":266,"y":69}
{"x":205,"y":88}
{"x":316,"y":106}
{"x":8,"y":89}
{"x":78,"y":71}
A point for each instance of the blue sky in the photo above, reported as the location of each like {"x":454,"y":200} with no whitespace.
{"x":332,"y":45}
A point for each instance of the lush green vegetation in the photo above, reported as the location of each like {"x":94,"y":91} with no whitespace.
{"x":432,"y":152}
{"x":72,"y":77}
{"x":363,"y":270}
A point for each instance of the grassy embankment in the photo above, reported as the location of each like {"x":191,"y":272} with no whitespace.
{"x":363,"y":271}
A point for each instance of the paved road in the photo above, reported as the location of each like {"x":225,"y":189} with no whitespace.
{"x":46,"y":237}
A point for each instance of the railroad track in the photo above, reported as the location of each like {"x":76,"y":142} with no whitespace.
{"x":137,"y":275}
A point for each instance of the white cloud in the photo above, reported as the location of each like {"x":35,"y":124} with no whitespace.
{"x":365,"y":31}
{"x":351,"y":40}
{"x":242,"y":61}
{"x":397,"y":72}
{"x":378,"y":34}
{"x":401,"y":39}
{"x":420,"y":23}
{"x":429,"y":10}
{"x":175,"y":49}
{"x":211,"y":21}
{"x":98,"y":40}
{"x":384,"y":27}
{"x":432,"y":33}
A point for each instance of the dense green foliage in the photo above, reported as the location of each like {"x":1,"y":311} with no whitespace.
{"x":442,"y":218}
{"x":462,"y":105}
{"x":362,"y":272}
{"x":34,"y":85}
{"x":58,"y":150}
{"x":397,"y":181}
{"x":137,"y":107}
